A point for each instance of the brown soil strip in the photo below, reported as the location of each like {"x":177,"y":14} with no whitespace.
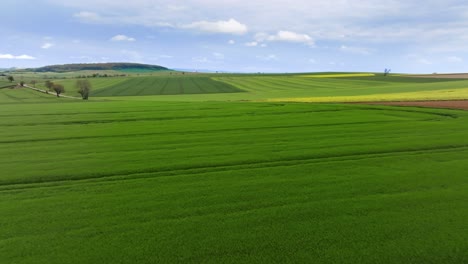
{"x":445,"y":76}
{"x":456,"y":104}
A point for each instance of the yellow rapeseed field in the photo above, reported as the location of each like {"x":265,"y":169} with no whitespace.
{"x":446,"y":94}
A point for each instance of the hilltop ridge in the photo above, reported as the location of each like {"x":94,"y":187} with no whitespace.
{"x":116,"y":66}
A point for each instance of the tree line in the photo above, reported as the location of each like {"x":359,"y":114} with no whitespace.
{"x":83,"y":87}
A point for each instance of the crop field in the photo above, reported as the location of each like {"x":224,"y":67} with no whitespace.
{"x":4,"y":83}
{"x":134,"y":181}
{"x":166,"y":86}
{"x":14,"y":96}
{"x":325,"y":87}
{"x":151,"y":85}
{"x":353,"y":88}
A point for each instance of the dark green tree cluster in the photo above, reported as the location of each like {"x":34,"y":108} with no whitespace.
{"x":56,"y":87}
{"x":84,"y":87}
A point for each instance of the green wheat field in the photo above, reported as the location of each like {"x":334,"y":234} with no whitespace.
{"x":232,"y":168}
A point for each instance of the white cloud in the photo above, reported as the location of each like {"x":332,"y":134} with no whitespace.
{"x":230,"y":26}
{"x":355,"y":50}
{"x":149,"y":20}
{"x":13,"y":57}
{"x":454,"y":59}
{"x":122,"y":38}
{"x":47,"y":45}
{"x":251,"y":44}
{"x":271,"y":57}
{"x":89,"y":17}
{"x":285,"y":36}
{"x":319,"y":19}
{"x":231,"y":42}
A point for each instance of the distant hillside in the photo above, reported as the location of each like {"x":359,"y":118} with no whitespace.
{"x":100,"y":67}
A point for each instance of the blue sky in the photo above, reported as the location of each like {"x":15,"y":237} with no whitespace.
{"x":241,"y":36}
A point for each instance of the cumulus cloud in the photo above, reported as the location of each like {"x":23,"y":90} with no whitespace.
{"x":318,"y":19}
{"x":230,"y":26}
{"x":47,"y":45}
{"x":231,"y":42}
{"x":122,"y":38}
{"x":13,"y":57}
{"x":251,"y":44}
{"x":86,"y":16}
{"x":285,"y":36}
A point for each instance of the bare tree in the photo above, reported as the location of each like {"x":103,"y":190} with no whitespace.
{"x":33,"y":82}
{"x":84,"y":87}
{"x":58,"y":88}
{"x":387,"y":71}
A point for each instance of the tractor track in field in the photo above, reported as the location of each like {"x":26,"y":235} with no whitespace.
{"x":199,"y":131}
{"x":168,"y":118}
{"x":210,"y":168}
{"x":200,"y":88}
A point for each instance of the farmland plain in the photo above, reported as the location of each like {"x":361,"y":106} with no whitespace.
{"x":323,"y":87}
{"x":135,"y":179}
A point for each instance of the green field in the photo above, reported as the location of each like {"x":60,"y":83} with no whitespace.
{"x":206,"y":178}
{"x":324,"y":87}
{"x":4,"y":83}
{"x":165,"y":86}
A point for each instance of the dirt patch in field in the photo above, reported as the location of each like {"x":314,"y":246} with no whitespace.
{"x":442,"y":76}
{"x":456,"y":104}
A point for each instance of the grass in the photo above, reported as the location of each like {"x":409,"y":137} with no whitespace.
{"x":4,"y":83}
{"x":230,"y":182}
{"x":24,"y":95}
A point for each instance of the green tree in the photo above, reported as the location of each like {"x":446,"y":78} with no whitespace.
{"x":84,"y":87}
{"x":10,"y":78}
{"x":58,"y":88}
{"x":49,"y":85}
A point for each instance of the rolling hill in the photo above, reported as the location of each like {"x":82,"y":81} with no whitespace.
{"x":100,"y":67}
